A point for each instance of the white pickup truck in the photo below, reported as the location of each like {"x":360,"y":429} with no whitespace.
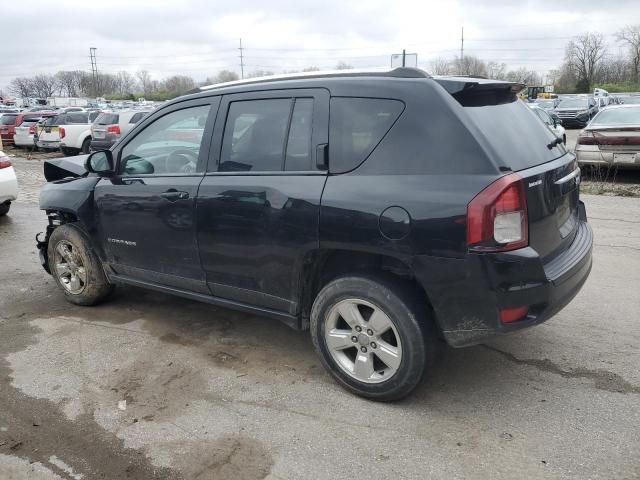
{"x":75,"y":131}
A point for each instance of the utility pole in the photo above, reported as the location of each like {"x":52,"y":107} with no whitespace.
{"x":404,"y":57}
{"x":94,"y":70}
{"x":241,"y":60}
{"x":462,"y":45}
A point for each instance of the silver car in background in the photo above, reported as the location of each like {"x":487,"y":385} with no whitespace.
{"x":612,"y":138}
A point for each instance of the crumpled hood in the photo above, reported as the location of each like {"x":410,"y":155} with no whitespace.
{"x":58,"y":168}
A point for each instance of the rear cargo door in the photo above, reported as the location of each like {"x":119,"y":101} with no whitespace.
{"x":519,"y":142}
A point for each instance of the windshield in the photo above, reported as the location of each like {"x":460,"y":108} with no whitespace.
{"x":573,"y":103}
{"x":546,"y":105}
{"x":618,"y":116}
{"x":8,"y":119}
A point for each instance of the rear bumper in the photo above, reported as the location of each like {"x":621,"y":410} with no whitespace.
{"x":592,"y":155}
{"x":7,"y":138}
{"x":468,"y":294}
{"x":101,"y":144}
{"x":48,"y":144}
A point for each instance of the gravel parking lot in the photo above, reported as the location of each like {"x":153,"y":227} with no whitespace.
{"x":151,"y":386}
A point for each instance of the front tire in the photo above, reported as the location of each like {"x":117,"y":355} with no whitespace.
{"x":76,"y":268}
{"x":4,"y":208}
{"x":374,"y":335}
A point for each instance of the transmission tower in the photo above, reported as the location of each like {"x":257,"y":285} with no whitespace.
{"x":94,"y":70}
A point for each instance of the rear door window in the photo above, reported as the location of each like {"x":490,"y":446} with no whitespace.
{"x":254,"y":135}
{"x":357,"y":125}
{"x":298,"y":155}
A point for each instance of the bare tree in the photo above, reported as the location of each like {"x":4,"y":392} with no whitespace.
{"x":469,"y":65}
{"x":497,"y":71}
{"x":21,"y":87}
{"x":630,"y":35}
{"x":145,"y":81}
{"x":259,"y":73}
{"x":524,"y":75}
{"x":126,"y":83}
{"x":343,"y":66}
{"x":67,"y":83}
{"x":44,"y":85}
{"x":440,"y":66}
{"x":178,"y":84}
{"x":222,"y":77}
{"x":584,"y":54}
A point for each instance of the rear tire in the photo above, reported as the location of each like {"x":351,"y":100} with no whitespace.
{"x":373,"y":334}
{"x":86,"y":146}
{"x":76,"y":268}
{"x":4,"y":208}
{"x":68,"y":152}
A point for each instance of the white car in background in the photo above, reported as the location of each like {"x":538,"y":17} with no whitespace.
{"x":8,"y":184}
{"x":554,"y":124}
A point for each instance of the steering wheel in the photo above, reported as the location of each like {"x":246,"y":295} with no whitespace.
{"x":188,"y":159}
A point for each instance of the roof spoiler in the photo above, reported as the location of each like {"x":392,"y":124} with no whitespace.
{"x":477,"y":92}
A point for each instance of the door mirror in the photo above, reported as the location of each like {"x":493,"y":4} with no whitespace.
{"x":100,"y":162}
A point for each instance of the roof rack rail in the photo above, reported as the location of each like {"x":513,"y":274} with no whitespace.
{"x":399,"y":72}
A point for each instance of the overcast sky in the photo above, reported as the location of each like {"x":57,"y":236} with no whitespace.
{"x":200,"y":37}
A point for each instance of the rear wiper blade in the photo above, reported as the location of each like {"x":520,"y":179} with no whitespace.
{"x":553,"y":143}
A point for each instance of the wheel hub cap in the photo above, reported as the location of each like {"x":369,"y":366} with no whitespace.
{"x":363,"y":340}
{"x":69,"y":267}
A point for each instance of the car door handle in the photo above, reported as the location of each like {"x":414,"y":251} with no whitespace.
{"x":174,"y":195}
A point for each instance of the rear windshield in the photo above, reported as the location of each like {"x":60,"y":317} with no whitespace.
{"x":618,"y":116}
{"x":8,"y":119}
{"x":515,"y":134}
{"x":107,"y":119}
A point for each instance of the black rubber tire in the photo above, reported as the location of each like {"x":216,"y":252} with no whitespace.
{"x":86,"y":146}
{"x":412,"y":319}
{"x":564,"y":139}
{"x":4,"y":208}
{"x":67,"y":152}
{"x":97,"y":287}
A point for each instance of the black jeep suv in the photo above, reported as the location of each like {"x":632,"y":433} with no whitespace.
{"x":380,"y":210}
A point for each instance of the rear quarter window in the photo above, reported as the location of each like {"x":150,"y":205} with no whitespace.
{"x":357,"y":125}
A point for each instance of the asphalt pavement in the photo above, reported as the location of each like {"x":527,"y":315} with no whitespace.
{"x":151,"y":386}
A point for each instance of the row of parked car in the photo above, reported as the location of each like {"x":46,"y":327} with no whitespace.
{"x":73,"y":130}
{"x":576,"y":111}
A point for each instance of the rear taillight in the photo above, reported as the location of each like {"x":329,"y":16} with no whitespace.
{"x":585,"y":137}
{"x":32,"y":130}
{"x":4,"y":162}
{"x":62,"y":132}
{"x":114,"y":129}
{"x":497,"y":217}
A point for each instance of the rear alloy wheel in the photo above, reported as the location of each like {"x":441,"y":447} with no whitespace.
{"x":75,"y":267}
{"x":373,"y":335}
